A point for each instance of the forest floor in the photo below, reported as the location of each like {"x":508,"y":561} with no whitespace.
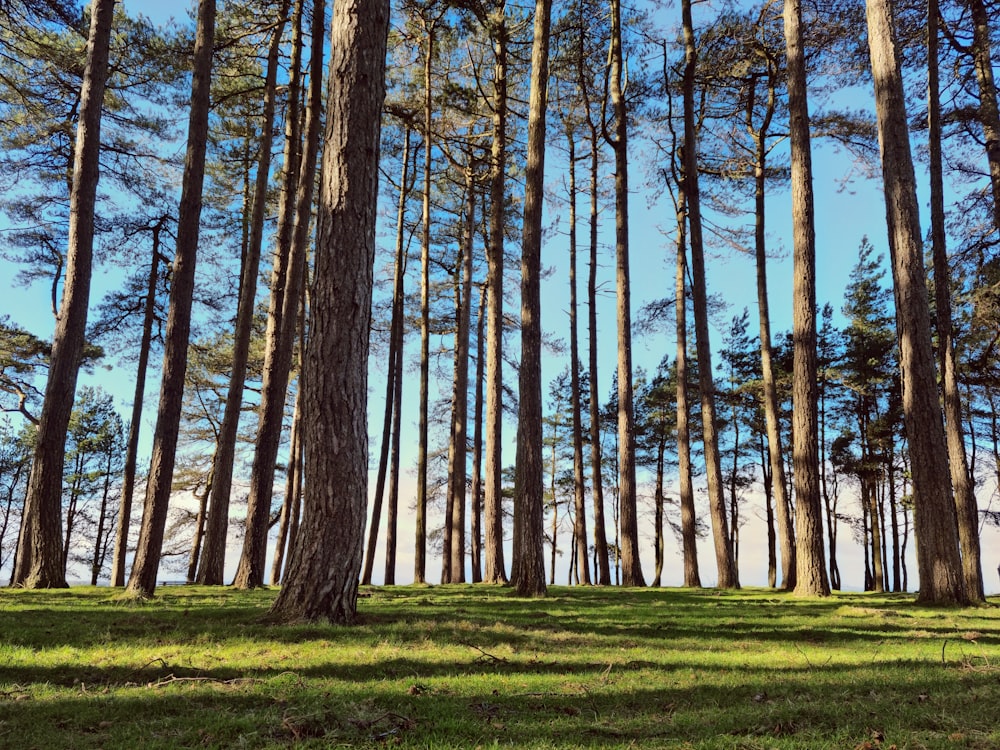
{"x":476,"y":667}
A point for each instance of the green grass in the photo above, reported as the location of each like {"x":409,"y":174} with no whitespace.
{"x":468,"y":667}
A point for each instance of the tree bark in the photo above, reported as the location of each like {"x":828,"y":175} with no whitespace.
{"x":495,"y":571}
{"x":689,"y":536}
{"x":420,"y":542}
{"x":213,"y":557}
{"x":776,"y":461}
{"x":476,"y":523}
{"x":322,"y":581}
{"x":580,"y":518}
{"x":457,"y":459}
{"x":965,"y":496}
{"x":810,"y":572}
{"x":293,"y":481}
{"x":132,"y":444}
{"x":281,"y":330}
{"x":142,"y":582}
{"x":989,"y":111}
{"x":628,"y":512}
{"x":528,"y":570}
{"x":938,"y":558}
{"x":38,"y":563}
{"x":716,"y":502}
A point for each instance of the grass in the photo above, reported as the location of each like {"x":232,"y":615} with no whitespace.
{"x":476,"y":667}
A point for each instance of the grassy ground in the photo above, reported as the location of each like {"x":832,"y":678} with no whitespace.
{"x":469,"y":667}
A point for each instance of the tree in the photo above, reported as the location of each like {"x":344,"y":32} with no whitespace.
{"x":288,"y":280}
{"x":631,"y":566}
{"x":938,"y":557}
{"x":38,"y":563}
{"x":94,"y":452}
{"x":142,"y":582}
{"x":213,"y":559}
{"x":322,"y":581}
{"x":965,"y":497}
{"x":720,"y":525}
{"x":528,"y":570}
{"x":810,"y":572}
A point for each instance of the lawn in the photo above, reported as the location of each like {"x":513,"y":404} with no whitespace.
{"x":474,"y":666}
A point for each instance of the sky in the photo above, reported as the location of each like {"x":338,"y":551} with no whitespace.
{"x":844,"y":215}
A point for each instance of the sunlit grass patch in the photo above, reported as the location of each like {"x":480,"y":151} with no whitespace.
{"x":473,"y":666}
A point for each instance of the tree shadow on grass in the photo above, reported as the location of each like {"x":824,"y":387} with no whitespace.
{"x":284,"y":709}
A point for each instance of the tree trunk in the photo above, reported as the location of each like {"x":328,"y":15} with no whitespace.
{"x":213,"y":558}
{"x":391,"y":516}
{"x":810,"y":571}
{"x":142,"y":582}
{"x":776,"y":461}
{"x":989,"y":112}
{"x":322,"y":581}
{"x":457,"y":460}
{"x":292,"y":482}
{"x":528,"y":570}
{"x":965,"y":496}
{"x":476,"y":524}
{"x":628,"y":513}
{"x":580,"y":518}
{"x":395,"y":352}
{"x":938,"y":558}
{"x":38,"y":563}
{"x":199,"y":530}
{"x":689,"y":537}
{"x":493,"y":501}
{"x":713,"y":469}
{"x":132,"y":446}
{"x":281,"y":330}
{"x":603,"y":576}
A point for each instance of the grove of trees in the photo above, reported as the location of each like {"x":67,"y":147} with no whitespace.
{"x":347,"y":242}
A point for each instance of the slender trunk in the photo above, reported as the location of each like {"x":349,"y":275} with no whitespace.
{"x":713,"y":469}
{"x":580,"y":518}
{"x":689,"y":536}
{"x":810,"y":571}
{"x":658,"y":514}
{"x":291,"y":490}
{"x":965,"y":496}
{"x":555,"y":507}
{"x":493,"y":501}
{"x":772,"y":551}
{"x":528,"y":569}
{"x":199,"y":530}
{"x":98,"y":559}
{"x":457,"y":460}
{"x":38,"y":563}
{"x":420,"y":551}
{"x":938,"y":557}
{"x":603,"y":576}
{"x":132,"y":445}
{"x":476,"y":524}
{"x":281,"y":336}
{"x":631,"y":562}
{"x":395,"y":352}
{"x":989,"y":111}
{"x":391,"y":516}
{"x":142,"y":582}
{"x":213,"y":557}
{"x":776,"y":461}
{"x":602,"y":565}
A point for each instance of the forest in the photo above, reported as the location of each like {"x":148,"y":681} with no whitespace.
{"x":291,"y":281}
